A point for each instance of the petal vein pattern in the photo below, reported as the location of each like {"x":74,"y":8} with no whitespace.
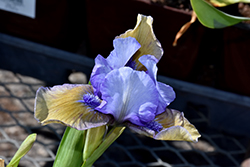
{"x":61,"y":104}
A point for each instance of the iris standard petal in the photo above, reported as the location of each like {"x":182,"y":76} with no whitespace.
{"x":100,"y":70}
{"x":175,"y":127}
{"x":150,"y":62}
{"x":61,"y":104}
{"x":143,"y":33}
{"x":129,"y":95}
{"x":124,"y":49}
{"x":167,"y":94}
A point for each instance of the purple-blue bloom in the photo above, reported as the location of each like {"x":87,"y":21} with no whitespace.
{"x":128,"y":94}
{"x":124,"y":91}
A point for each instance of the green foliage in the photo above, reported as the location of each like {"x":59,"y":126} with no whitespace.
{"x":221,"y":3}
{"x":211,"y":17}
{"x":70,"y":150}
{"x":23,"y":149}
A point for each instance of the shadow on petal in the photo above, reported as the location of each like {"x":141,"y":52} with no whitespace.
{"x":59,"y":104}
{"x":143,"y":33}
{"x":141,"y":130}
{"x":176,"y":127}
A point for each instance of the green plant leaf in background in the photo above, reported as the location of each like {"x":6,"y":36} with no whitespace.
{"x":221,"y":3}
{"x":23,"y":149}
{"x":211,"y":17}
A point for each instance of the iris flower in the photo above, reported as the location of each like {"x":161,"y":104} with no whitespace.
{"x":123,"y":92}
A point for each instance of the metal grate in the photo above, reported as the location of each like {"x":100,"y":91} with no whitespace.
{"x":17,"y":92}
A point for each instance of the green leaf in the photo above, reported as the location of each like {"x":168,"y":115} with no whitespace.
{"x":70,"y":150}
{"x":211,"y":17}
{"x":23,"y":149}
{"x":221,"y":3}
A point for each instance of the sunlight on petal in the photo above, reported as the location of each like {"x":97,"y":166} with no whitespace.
{"x":60,"y":104}
{"x":175,"y":133}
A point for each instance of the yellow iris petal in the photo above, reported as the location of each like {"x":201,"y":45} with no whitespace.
{"x":60,"y":105}
{"x":143,"y":33}
{"x":176,"y":127}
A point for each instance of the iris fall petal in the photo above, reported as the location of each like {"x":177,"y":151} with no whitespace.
{"x":60,"y":104}
{"x":174,"y":127}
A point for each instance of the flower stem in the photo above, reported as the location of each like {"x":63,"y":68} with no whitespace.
{"x":114,"y":133}
{"x":70,"y":150}
{"x":94,"y":138}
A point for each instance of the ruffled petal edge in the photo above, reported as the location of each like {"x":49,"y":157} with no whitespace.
{"x":144,"y":34}
{"x":175,"y":127}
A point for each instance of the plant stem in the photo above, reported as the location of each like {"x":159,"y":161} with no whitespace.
{"x":114,"y":133}
{"x":70,"y":150}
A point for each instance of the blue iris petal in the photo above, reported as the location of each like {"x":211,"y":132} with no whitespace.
{"x":100,"y":70}
{"x":150,"y":62}
{"x":166,"y":92}
{"x":124,"y":49}
{"x":129,"y":95}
